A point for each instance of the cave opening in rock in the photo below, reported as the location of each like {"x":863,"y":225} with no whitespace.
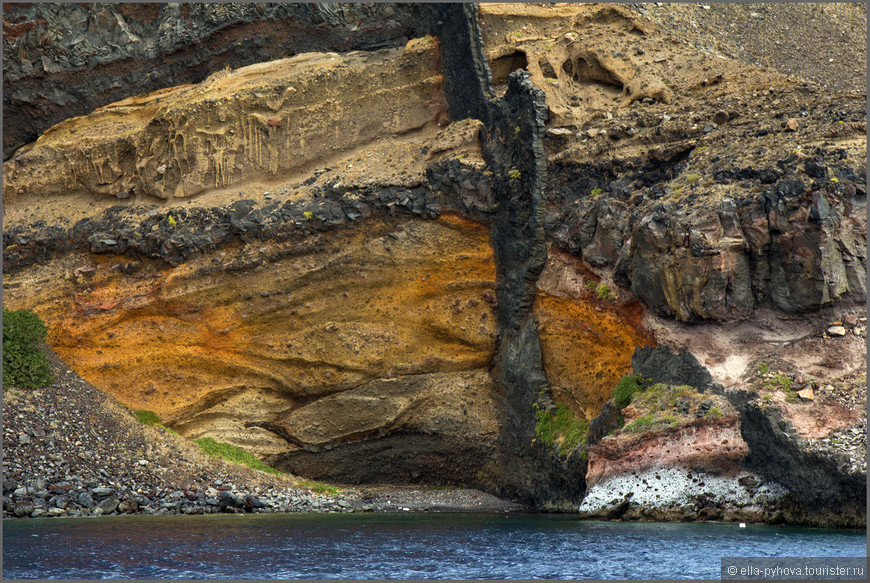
{"x":507,"y":64}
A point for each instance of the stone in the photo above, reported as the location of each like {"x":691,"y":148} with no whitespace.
{"x":108,"y":505}
{"x":791,"y":125}
{"x":227,"y":498}
{"x":344,"y":503}
{"x":806,"y":394}
{"x":851,"y":320}
{"x":24,"y":439}
{"x":85,"y":499}
{"x":721,"y":118}
{"x":23,"y":509}
{"x":20,"y":492}
{"x":128,"y":505}
{"x":103,"y":491}
{"x":836,"y":331}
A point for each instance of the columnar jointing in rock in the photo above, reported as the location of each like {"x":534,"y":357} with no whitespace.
{"x":513,"y":150}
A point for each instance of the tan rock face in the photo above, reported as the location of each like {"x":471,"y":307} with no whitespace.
{"x":335,"y":342}
{"x":255,"y":122}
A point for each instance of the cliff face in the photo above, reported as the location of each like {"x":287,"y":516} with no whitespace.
{"x":391,"y":265}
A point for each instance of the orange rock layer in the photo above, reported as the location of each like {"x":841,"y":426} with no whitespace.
{"x":343,"y":336}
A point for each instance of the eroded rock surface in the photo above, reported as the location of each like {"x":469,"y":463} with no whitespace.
{"x":356,"y":290}
{"x":259,"y":121}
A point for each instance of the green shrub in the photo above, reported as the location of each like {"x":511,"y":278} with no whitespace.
{"x":151,"y":419}
{"x":24,"y":364}
{"x":603,"y":291}
{"x":148,"y":417}
{"x":783,"y":381}
{"x":792,"y":397}
{"x":625,"y":389}
{"x":669,"y":420}
{"x":640,"y":424}
{"x":560,"y":428}
{"x":595,"y":191}
{"x":319,"y":487}
{"x":650,"y":421}
{"x":514,"y":174}
{"x":763,"y":367}
{"x":233,"y":454}
{"x":662,"y":396}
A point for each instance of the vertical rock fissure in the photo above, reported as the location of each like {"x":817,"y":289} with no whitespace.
{"x":513,"y":149}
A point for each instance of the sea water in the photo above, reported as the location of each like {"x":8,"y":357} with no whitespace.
{"x":395,"y":546}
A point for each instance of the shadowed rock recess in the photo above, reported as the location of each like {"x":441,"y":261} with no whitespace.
{"x":430,"y":256}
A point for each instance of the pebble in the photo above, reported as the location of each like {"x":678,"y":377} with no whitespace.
{"x":836,"y":331}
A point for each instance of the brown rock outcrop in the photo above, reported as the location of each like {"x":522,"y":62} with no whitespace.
{"x":330,"y":282}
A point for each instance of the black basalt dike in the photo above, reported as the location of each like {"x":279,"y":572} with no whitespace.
{"x":513,"y":149}
{"x":467,"y":78}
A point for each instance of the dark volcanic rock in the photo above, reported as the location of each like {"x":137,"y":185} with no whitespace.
{"x":823,"y":490}
{"x":514,"y":151}
{"x":661,"y":365}
{"x":108,"y":505}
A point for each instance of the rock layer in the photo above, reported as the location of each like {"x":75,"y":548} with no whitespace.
{"x":251,"y":353}
{"x":256,"y":122}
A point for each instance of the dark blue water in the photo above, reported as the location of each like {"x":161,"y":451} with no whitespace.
{"x":417,"y":546}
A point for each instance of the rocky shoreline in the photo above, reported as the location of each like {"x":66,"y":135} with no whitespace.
{"x":385,"y":310}
{"x":72,"y":451}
